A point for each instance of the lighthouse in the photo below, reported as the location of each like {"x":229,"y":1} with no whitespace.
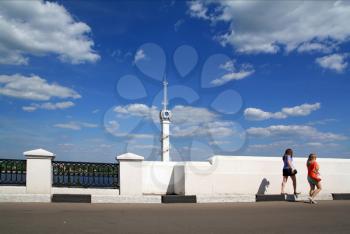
{"x":165,"y":119}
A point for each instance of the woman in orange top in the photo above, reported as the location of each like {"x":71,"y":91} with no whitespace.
{"x":313,"y":177}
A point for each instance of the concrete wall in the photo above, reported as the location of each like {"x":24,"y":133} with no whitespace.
{"x":159,"y":177}
{"x":12,"y":189}
{"x":260,"y":175}
{"x":91,"y":191}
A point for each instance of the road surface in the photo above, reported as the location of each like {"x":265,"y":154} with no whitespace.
{"x":263,"y":217}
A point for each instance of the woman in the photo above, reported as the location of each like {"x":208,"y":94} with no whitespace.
{"x":313,"y":177}
{"x":289,"y":170}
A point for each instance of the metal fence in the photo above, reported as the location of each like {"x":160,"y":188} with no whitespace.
{"x":85,"y":174}
{"x":13,"y":172}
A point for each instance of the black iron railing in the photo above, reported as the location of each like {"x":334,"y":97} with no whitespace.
{"x":85,"y":174}
{"x":13,"y":172}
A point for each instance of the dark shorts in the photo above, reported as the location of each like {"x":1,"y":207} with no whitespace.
{"x":287,"y":172}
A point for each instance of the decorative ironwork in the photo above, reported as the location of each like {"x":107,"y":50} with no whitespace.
{"x":85,"y":174}
{"x":13,"y":172}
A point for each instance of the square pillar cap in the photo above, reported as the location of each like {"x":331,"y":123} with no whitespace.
{"x":130,"y":157}
{"x":39,"y":153}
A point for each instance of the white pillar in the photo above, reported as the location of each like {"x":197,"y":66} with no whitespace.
{"x":130,"y":174}
{"x":39,"y":171}
{"x":165,"y":141}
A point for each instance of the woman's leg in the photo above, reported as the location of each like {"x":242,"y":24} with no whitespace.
{"x":316,"y":191}
{"x":312,"y":189}
{"x":294,"y":179}
{"x":284,"y":181}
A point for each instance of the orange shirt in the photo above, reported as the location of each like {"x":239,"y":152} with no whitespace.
{"x":312,"y":170}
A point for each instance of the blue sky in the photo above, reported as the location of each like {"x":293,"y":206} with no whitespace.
{"x":83,"y":78}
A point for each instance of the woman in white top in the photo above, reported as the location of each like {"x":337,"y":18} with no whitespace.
{"x":289,"y":170}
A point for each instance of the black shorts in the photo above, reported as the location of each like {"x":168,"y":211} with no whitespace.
{"x":287,"y":172}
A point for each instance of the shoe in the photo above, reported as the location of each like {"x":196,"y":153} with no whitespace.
{"x":297,"y":193}
{"x":312,"y":201}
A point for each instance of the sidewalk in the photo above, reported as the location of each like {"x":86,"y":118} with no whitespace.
{"x":265,"y":217}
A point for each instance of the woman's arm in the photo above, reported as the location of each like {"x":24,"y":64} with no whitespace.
{"x":290,"y":164}
{"x":317,"y":168}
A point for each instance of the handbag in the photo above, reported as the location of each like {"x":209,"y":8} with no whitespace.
{"x":293,"y":171}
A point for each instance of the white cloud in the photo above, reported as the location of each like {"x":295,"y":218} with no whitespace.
{"x":302,"y":110}
{"x":113,"y":127}
{"x":192,"y":115}
{"x":140,"y":55}
{"x":137,"y":109}
{"x":41,"y":28}
{"x":33,"y":88}
{"x":48,"y":106}
{"x":187,"y":121}
{"x":75,"y":125}
{"x":233,"y":73}
{"x":335,"y":62}
{"x":315,"y":47}
{"x":198,"y":10}
{"x":269,"y":26}
{"x":305,"y":132}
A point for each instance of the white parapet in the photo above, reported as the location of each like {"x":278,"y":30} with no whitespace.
{"x":161,"y":177}
{"x":130,"y":174}
{"x":225,"y":175}
{"x":39,"y":171}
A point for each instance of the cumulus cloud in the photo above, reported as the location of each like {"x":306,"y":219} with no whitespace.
{"x":214,"y":129}
{"x":302,"y":131}
{"x":269,"y":26}
{"x":335,"y":62}
{"x":140,"y":55}
{"x":75,"y":125}
{"x":137,"y":109}
{"x":41,"y":28}
{"x":33,"y":87}
{"x":233,"y":73}
{"x":302,"y":110}
{"x":113,"y":127}
{"x":48,"y":106}
{"x":187,"y":121}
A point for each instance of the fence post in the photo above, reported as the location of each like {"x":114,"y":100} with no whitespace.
{"x":39,"y":171}
{"x":130,"y":174}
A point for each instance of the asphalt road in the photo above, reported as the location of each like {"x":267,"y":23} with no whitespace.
{"x":263,"y":217}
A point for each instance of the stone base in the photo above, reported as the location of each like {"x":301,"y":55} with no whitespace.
{"x":341,"y":196}
{"x":125,"y":199}
{"x":46,"y":198}
{"x":225,"y":198}
{"x":74,"y":198}
{"x":179,"y":199}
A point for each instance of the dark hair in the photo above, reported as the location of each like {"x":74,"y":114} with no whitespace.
{"x":288,"y":152}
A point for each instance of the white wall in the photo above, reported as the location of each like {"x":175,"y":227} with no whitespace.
{"x":252,"y":175}
{"x":159,"y":177}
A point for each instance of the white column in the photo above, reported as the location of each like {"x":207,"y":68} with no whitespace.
{"x":130,"y":174}
{"x":165,"y":141}
{"x":39,"y":171}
